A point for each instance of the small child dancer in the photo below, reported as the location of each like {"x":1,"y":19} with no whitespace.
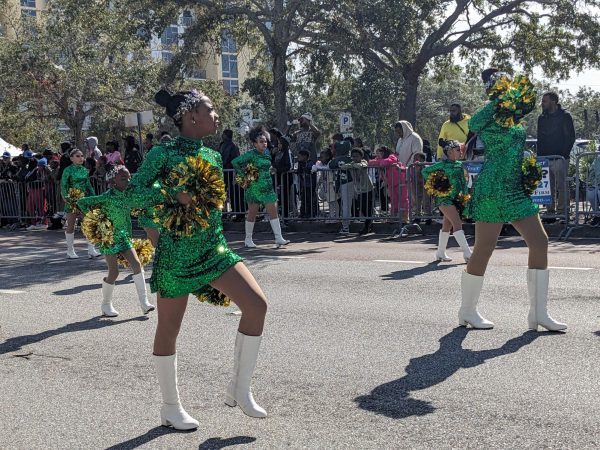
{"x":446,"y":181}
{"x":113,"y":205}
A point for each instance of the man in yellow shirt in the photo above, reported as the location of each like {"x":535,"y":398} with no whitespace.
{"x":454,"y":129}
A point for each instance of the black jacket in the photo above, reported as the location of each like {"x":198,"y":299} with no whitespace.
{"x":556,"y":133}
{"x":229,"y":151}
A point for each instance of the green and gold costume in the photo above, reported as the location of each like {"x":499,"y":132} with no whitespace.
{"x":260,"y":191}
{"x":184,"y":264}
{"x":75,"y":177}
{"x":499,"y":195}
{"x":456,"y":175}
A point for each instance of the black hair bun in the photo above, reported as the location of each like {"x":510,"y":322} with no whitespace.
{"x":162,"y":97}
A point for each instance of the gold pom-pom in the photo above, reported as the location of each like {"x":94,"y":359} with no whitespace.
{"x":97,"y":228}
{"x":74,"y":195}
{"x":213,"y":297}
{"x":250,"y":176}
{"x":204,"y":184}
{"x":532,"y":174}
{"x":144,"y":250}
{"x":438,"y":184}
{"x":514,"y":99}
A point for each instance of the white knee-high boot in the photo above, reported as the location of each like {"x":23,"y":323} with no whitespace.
{"x":471,"y":288}
{"x":276,"y":226}
{"x":440,"y":254}
{"x":464,"y":245}
{"x":70,"y":237}
{"x":537,"y":287}
{"x":107,"y":307}
{"x":142,"y":292}
{"x":248,"y":242}
{"x":244,"y":362}
{"x":92,"y":252}
{"x":171,"y":412}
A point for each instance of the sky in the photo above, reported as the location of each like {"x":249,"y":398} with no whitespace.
{"x":589,"y":78}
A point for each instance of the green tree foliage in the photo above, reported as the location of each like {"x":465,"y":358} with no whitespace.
{"x":80,"y":59}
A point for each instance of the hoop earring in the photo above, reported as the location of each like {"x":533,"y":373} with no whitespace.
{"x":194,"y":121}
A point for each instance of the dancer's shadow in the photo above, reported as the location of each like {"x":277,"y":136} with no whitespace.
{"x":144,"y":438}
{"x":90,"y":287}
{"x":18,"y":342}
{"x":217,"y":443}
{"x":393,"y":399}
{"x":415,"y":271}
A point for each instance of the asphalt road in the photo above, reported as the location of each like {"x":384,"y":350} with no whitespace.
{"x":361,"y":351}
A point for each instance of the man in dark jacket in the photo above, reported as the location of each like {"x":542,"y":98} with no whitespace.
{"x":229,"y":151}
{"x":556,"y":136}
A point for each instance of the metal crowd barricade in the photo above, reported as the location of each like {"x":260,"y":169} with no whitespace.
{"x":586,"y":191}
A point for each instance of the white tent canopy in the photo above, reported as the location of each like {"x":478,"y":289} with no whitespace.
{"x":6,"y":147}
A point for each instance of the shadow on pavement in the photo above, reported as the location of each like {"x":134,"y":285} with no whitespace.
{"x":416,"y":271}
{"x":394,"y":400}
{"x":89,"y":287}
{"x":217,"y":443}
{"x":145,"y":438}
{"x":18,"y":342}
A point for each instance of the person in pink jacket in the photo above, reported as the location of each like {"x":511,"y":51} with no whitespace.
{"x":394,"y":177}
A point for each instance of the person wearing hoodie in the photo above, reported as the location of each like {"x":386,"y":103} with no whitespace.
{"x":93,"y":150}
{"x":408,"y":143}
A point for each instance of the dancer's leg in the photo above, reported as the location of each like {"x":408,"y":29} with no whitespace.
{"x":486,"y":237}
{"x":152,"y":234}
{"x":535,"y":237}
{"x":108,"y":285}
{"x":71,"y":217}
{"x":170,"y":315}
{"x":452,"y":218}
{"x":139,"y":280}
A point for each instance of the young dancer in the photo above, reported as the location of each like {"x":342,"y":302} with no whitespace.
{"x":499,"y":197}
{"x":260,"y":191}
{"x":200,"y":263}
{"x":75,"y":184}
{"x":451,"y":202}
{"x":116,"y":206}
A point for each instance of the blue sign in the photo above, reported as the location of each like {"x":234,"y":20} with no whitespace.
{"x":543,"y":194}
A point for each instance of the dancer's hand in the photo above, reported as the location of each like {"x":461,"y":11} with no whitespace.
{"x":183,"y":198}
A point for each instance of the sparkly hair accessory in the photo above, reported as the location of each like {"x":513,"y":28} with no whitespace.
{"x":112,"y":173}
{"x":190,"y":101}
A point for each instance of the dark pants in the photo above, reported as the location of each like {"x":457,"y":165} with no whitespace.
{"x":365,"y":204}
{"x":283,"y":187}
{"x":309,"y":204}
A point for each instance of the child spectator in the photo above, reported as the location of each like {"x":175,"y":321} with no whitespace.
{"x":393,"y":174}
{"x":343,"y":182}
{"x":307,"y":180}
{"x":363,"y":187}
{"x":326,"y":183}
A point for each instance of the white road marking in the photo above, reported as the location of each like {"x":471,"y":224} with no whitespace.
{"x":278,"y":257}
{"x":400,"y":261}
{"x":571,"y":268}
{"x":9,"y":291}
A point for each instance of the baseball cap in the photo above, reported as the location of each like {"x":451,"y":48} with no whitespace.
{"x":307,"y":116}
{"x":42,"y":162}
{"x":6,"y":155}
{"x":28,"y":154}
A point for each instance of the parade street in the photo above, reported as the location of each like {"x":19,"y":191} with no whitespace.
{"x":361,"y":350}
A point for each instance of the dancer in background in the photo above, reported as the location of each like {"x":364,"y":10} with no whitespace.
{"x":74,"y":185}
{"x":500,"y":197}
{"x":195,"y":258}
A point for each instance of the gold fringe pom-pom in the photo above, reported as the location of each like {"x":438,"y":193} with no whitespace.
{"x":438,"y":184}
{"x":532,"y":174}
{"x":514,"y":99}
{"x":250,"y":176}
{"x":144,"y":250}
{"x":205,"y":185}
{"x":74,"y":195}
{"x":213,"y":297}
{"x":97,"y":228}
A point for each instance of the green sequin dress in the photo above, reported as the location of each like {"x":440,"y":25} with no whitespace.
{"x":115,"y":204}
{"x":456,"y":175}
{"x":76,"y":177}
{"x":184,"y":264}
{"x":499,"y":195}
{"x":261,"y":191}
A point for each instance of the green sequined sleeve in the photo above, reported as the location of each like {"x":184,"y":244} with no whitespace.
{"x":482,"y":118}
{"x":239,"y":162}
{"x":144,"y":189}
{"x":86,"y":203}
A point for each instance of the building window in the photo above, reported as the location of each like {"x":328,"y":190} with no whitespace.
{"x":232,"y":87}
{"x":195,"y":73}
{"x":187,"y":19}
{"x":230,"y":67}
{"x":28,"y":3}
{"x":166,"y":56}
{"x":28,"y":13}
{"x":228,"y":44}
{"x":170,"y":36}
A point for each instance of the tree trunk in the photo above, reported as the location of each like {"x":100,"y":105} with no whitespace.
{"x":408,"y":108}
{"x":280,"y":88}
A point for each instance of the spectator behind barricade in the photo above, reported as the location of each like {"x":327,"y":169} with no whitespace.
{"x":92,"y":148}
{"x":21,"y":168}
{"x":281,"y":160}
{"x":326,"y":191}
{"x":165,"y":137}
{"x":307,"y":136}
{"x":456,"y":128}
{"x":25,"y":148}
{"x":593,"y":190}
{"x":148,"y":143}
{"x":65,"y":159}
{"x":132,"y":157}
{"x":227,"y":148}
{"x":362,"y":185}
{"x":90,"y":165}
{"x":393,"y":174}
{"x":113,"y":154}
{"x":358,"y":143}
{"x":229,"y":151}
{"x":421,"y":203}
{"x":333,"y":141}
{"x":307,"y":181}
{"x":427,"y":151}
{"x":343,"y":182}
{"x":409,"y":142}
{"x":7,"y":168}
{"x":37,"y":206}
{"x":556,"y":136}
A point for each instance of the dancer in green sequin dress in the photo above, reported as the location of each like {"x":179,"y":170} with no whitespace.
{"x":117,"y":207}
{"x":499,"y":197}
{"x":75,"y":184}
{"x":199,"y":262}
{"x":453,"y":204}
{"x":260,"y":191}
